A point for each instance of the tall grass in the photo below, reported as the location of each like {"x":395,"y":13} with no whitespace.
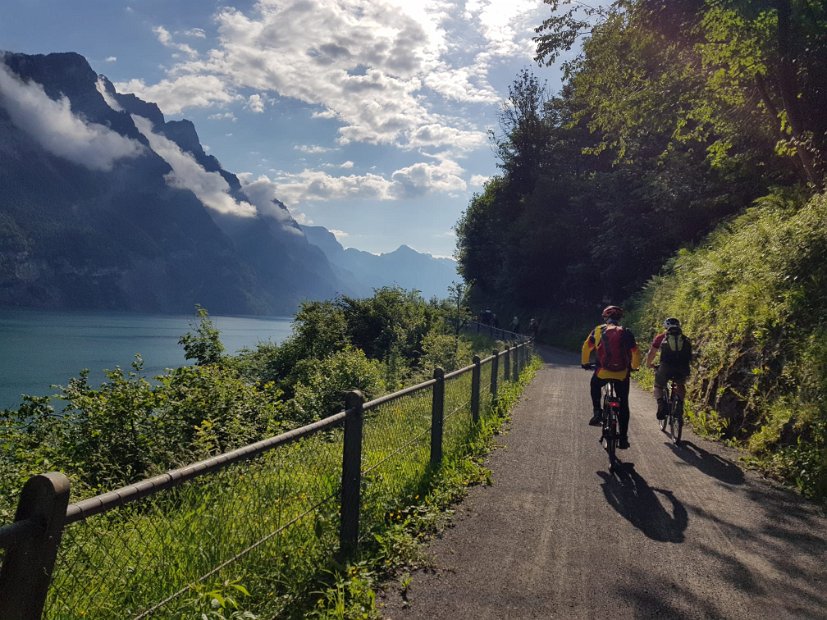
{"x":753,"y":298}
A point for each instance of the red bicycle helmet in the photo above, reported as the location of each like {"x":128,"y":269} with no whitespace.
{"x":613,"y":312}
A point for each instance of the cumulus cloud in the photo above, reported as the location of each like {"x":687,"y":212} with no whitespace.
{"x":255,"y":103}
{"x":53,"y":125}
{"x":381,"y":69}
{"x":111,"y":59}
{"x":339,"y":234}
{"x":209,"y":187}
{"x":172,"y":96}
{"x":478,"y":180}
{"x":409,"y":182}
{"x":422,"y":178}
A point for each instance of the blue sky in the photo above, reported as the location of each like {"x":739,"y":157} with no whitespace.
{"x":368,"y":117}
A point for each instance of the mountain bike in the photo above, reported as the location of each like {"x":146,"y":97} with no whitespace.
{"x":611,"y":422}
{"x":674,"y":411}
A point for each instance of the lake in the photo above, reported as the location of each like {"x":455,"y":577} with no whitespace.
{"x":41,"y":348}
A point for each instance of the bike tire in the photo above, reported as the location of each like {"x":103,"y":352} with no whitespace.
{"x":677,"y":431}
{"x":611,"y":438}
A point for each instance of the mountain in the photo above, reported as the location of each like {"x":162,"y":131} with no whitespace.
{"x":105,"y":205}
{"x":405,"y":267}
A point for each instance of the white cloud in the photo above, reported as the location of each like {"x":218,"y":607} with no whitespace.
{"x":255,"y":103}
{"x":262,"y":192}
{"x":166,"y":40}
{"x":339,"y":234}
{"x":478,"y":180}
{"x":196,"y":33}
{"x":100,"y":86}
{"x":382,"y":69}
{"x":422,"y":178}
{"x":223,"y":116}
{"x":209,"y":187}
{"x":53,"y":125}
{"x":172,"y":96}
{"x":409,"y":182}
{"x":312,"y":149}
{"x":346,"y":165}
{"x":111,"y":59}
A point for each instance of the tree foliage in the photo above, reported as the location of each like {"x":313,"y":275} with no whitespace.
{"x":675,"y":117}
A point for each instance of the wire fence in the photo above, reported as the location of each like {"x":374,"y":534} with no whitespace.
{"x":262,"y":519}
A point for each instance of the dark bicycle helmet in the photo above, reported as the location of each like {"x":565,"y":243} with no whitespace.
{"x":613,"y":312}
{"x":671,"y":323}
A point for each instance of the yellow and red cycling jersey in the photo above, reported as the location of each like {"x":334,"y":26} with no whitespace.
{"x":593,"y":341}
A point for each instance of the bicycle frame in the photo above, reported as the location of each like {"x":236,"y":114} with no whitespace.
{"x":674,"y":412}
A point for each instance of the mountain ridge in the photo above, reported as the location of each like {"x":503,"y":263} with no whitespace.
{"x":104,"y":204}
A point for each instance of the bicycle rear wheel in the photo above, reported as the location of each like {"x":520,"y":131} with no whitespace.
{"x":677,"y":421}
{"x":610,"y":436}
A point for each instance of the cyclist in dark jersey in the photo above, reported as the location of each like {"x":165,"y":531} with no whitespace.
{"x":675,"y":355}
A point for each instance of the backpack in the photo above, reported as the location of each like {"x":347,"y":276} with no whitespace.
{"x":612,"y":351}
{"x":676,"y":349}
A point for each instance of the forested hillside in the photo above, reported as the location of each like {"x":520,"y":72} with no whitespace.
{"x":682,"y":167}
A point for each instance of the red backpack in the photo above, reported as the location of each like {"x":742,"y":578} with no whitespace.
{"x":612,"y":352}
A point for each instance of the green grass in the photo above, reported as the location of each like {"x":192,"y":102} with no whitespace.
{"x":397,"y":548}
{"x":260,"y":537}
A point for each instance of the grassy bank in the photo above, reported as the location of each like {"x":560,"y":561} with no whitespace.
{"x":753,"y":299}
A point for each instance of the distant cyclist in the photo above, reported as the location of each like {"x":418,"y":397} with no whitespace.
{"x":617,"y":355}
{"x":675,"y":355}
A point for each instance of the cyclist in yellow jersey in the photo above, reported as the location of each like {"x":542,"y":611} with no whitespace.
{"x":617,"y":356}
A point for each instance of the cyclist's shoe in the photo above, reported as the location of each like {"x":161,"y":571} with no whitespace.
{"x":661,"y":410}
{"x":597,"y":419}
{"x":623,"y":443}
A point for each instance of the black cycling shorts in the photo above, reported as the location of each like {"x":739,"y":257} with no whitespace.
{"x":665,"y":372}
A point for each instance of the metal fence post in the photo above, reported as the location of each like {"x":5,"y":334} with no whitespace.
{"x":495,"y":370}
{"x":516,"y":367}
{"x":475,"y":390}
{"x":437,"y":416}
{"x":27,"y":566}
{"x":351,"y":473}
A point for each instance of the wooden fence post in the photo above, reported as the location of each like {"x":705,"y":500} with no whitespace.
{"x":437,"y":417}
{"x":475,"y":390}
{"x":516,"y":367}
{"x":351,"y":473}
{"x":495,"y":370}
{"x":507,"y":364}
{"x":27,"y":566}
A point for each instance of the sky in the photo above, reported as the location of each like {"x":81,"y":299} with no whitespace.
{"x":367,"y":117}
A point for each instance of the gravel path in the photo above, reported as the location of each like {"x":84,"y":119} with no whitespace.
{"x":682,"y":532}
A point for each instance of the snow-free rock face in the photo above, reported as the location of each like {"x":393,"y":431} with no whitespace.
{"x":94,"y":213}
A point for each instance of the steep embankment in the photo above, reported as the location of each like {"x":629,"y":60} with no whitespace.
{"x":753,"y":298}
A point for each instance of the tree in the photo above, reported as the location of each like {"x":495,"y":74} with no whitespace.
{"x":203,"y":342}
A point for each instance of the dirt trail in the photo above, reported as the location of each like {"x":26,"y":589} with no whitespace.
{"x":683,"y":532}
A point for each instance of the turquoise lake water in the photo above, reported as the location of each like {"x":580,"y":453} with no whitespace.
{"x":39,"y":349}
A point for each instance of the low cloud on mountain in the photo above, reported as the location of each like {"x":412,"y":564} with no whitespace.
{"x":53,"y":125}
{"x":210,"y":187}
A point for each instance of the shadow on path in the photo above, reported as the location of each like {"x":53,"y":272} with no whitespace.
{"x":632,"y":497}
{"x":710,"y":464}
